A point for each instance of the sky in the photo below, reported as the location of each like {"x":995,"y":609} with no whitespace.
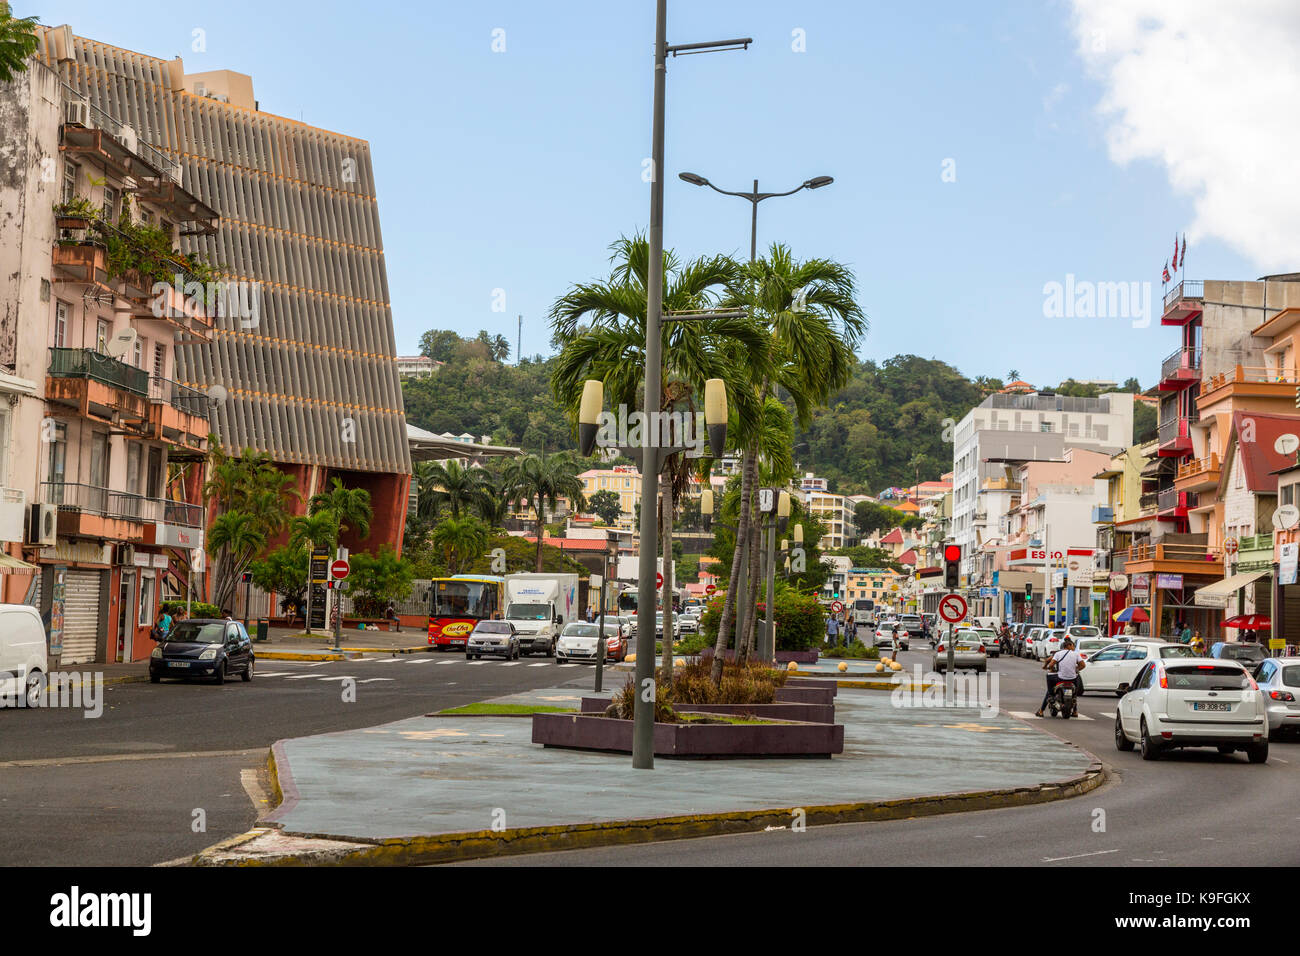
{"x":990,"y":160}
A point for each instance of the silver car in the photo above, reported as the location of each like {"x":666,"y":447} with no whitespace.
{"x":493,"y":637}
{"x":968,"y":652}
{"x":1279,"y":682}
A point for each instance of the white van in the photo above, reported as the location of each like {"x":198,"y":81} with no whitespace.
{"x":23,"y":662}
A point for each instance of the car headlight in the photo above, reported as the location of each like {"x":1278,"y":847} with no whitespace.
{"x":210,"y":652}
{"x":157,"y":654}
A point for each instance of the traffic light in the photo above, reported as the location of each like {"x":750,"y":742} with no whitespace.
{"x":1029,"y":592}
{"x":952,"y":566}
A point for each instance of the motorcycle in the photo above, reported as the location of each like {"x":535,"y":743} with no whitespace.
{"x":1064,"y":702}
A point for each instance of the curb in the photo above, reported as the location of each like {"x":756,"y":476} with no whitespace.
{"x":480,"y":844}
{"x":294,"y":656}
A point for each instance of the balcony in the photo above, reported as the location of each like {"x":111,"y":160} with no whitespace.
{"x":94,"y":511}
{"x":1147,"y":503}
{"x":1183,"y":302}
{"x":1173,"y":559}
{"x":1246,"y":381}
{"x":97,"y":385}
{"x":1172,"y":503}
{"x":1255,"y":553}
{"x":85,"y":262}
{"x":1173,"y":438}
{"x":1103,"y":514}
{"x":178,"y":414}
{"x":1180,"y":369}
{"x":1198,"y":474}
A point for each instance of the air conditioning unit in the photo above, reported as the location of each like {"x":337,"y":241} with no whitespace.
{"x":76,"y":111}
{"x":43,"y":525}
{"x":126,"y":555}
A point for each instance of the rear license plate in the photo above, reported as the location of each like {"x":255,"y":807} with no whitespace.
{"x":1218,"y":708}
{"x":178,"y":663}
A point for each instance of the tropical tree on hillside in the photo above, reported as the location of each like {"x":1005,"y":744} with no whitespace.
{"x":606,"y":506}
{"x":17,"y":42}
{"x":813,"y":324}
{"x":447,"y":484}
{"x":542,"y":481}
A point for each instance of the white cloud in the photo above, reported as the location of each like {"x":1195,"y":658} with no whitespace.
{"x":1054,"y":96}
{"x":1210,"y":90}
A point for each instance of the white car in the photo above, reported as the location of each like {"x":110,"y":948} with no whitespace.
{"x":885,"y":636}
{"x":1111,"y":667}
{"x":687,"y":622}
{"x":1193,"y":702}
{"x":23,"y":663}
{"x":578,"y":641}
{"x":1048,"y":643}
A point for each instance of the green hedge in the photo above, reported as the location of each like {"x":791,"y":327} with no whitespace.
{"x":800,"y":620}
{"x":197,"y":609}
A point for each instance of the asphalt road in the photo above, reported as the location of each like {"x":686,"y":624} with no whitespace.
{"x":171,"y":768}
{"x":1191,"y":807}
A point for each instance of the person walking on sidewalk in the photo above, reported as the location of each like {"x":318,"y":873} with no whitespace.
{"x":832,"y":630}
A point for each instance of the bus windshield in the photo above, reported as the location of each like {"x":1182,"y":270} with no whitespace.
{"x":627,"y":602}
{"x":473,"y":599}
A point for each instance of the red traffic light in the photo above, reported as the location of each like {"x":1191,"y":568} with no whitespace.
{"x":952,"y":552}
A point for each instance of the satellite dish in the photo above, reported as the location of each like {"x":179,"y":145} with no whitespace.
{"x":1286,"y":517}
{"x":1286,"y":444}
{"x":122,"y":342}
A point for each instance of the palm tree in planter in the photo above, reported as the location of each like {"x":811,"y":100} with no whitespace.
{"x":460,"y":540}
{"x":542,"y":481}
{"x":350,"y":508}
{"x":611,"y":347}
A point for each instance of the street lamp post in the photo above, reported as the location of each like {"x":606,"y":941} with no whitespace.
{"x":754,"y":197}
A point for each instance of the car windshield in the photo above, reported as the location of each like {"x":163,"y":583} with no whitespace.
{"x":1083,"y":630}
{"x":1093,"y":645}
{"x":580,"y":630}
{"x":1241,"y":652}
{"x":1208,"y":677}
{"x":1177,"y":650}
{"x":197,"y":632}
{"x":492,"y":627}
{"x":528,"y":612}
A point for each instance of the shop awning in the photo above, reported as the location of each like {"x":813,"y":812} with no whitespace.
{"x":11,"y":565}
{"x":1218,"y":593}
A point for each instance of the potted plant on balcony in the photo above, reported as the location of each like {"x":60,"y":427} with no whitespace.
{"x":76,"y":213}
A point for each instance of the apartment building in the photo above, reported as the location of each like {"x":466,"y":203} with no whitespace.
{"x":622,"y":480}
{"x":832,"y":510}
{"x":1030,"y":426}
{"x":104,"y":441}
{"x":306,"y":371}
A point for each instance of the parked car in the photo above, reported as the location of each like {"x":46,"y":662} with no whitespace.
{"x":659,"y":625}
{"x":1192,"y":702}
{"x":1279,"y":682}
{"x":968,"y":652}
{"x":1249,"y":654}
{"x":498,"y":638}
{"x":884,"y":636}
{"x":1087,"y":646}
{"x":23,"y":663}
{"x":203,"y":648}
{"x":988,"y":637}
{"x":1116,"y":665}
{"x":1031,"y":638}
{"x":1078,"y":631}
{"x":1048,"y":643}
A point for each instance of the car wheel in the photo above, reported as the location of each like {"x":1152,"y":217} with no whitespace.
{"x":155,"y":679}
{"x":1121,"y":739}
{"x":1257,"y":753}
{"x":1150,"y":749}
{"x":34,"y":688}
{"x":248,"y":672}
{"x":220,"y":678}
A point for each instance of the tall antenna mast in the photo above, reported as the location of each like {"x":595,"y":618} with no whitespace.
{"x":519,"y":342}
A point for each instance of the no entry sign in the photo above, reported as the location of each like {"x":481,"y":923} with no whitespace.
{"x":710,"y":588}
{"x":339,"y":570}
{"x":952,"y":608}
{"x":659,"y":580}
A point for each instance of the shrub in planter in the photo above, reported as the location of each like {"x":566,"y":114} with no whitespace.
{"x":197,"y":609}
{"x":800,"y":621}
{"x":854,"y":651}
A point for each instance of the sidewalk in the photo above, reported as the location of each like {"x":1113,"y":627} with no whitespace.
{"x":435,"y":789}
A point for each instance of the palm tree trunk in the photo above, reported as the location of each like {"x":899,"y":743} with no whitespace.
{"x":754,"y":584}
{"x":540,"y":530}
{"x":748,"y":476}
{"x":666,"y":524}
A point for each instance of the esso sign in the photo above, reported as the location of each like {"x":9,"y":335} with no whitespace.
{"x":1041,"y":555}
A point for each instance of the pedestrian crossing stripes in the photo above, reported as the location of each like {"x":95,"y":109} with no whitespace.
{"x":546,"y":664}
{"x":1027,"y":715}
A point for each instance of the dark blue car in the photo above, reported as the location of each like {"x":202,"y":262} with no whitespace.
{"x":203,"y":649}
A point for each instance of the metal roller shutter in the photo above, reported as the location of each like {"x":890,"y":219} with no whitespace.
{"x":80,"y":616}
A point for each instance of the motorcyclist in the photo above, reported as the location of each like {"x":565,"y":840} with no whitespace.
{"x":1063,"y":665}
{"x":1004,"y":639}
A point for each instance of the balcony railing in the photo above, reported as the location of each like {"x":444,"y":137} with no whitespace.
{"x":74,"y":496}
{"x":1147,"y":502}
{"x":1198,"y":467}
{"x":1183,"y":359}
{"x":1168,"y":499}
{"x":1257,"y":542}
{"x":1187,"y":289}
{"x":1172,"y":552}
{"x":87,"y":363}
{"x":1252,"y":374}
{"x":1173,"y":429}
{"x":189,"y":400}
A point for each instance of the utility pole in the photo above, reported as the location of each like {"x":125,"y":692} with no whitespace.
{"x":519,"y":341}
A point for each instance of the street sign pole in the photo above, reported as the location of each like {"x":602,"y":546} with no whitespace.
{"x":341,"y":555}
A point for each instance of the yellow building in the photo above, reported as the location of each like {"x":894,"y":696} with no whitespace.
{"x":881,"y":585}
{"x":623,"y":480}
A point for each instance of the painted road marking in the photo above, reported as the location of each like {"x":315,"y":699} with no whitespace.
{"x":568,"y":665}
{"x":349,"y":677}
{"x":512,"y":663}
{"x":445,"y":662}
{"x":547,"y":664}
{"x":371,"y":680}
{"x":273,"y":673}
{"x":476,"y":663}
{"x":1108,"y":714}
{"x":1058,"y":859}
{"x":301,"y":677}
{"x":1024,"y":715}
{"x":423,"y":660}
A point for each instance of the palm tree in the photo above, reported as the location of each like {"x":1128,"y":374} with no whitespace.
{"x":1013,"y":375}
{"x":611,"y":348}
{"x":319,"y":530}
{"x":350,"y":507}
{"x":17,"y":42}
{"x":542,"y":482}
{"x":446,"y":482}
{"x":814,"y":324}
{"x":237,"y":537}
{"x":461,"y":540}
{"x":496,"y":495}
{"x":252,"y":487}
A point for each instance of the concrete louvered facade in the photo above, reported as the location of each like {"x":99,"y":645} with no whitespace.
{"x":307,"y":371}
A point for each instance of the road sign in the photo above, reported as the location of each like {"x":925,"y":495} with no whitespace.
{"x":952,"y":608}
{"x":710,"y":588}
{"x":659,"y":580}
{"x":837,"y":607}
{"x":339,"y":570}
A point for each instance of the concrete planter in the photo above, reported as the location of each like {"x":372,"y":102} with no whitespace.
{"x":782,"y":657}
{"x":583,"y":732}
{"x":808,"y":713}
{"x":805,"y":695}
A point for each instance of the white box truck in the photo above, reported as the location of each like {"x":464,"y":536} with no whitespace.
{"x":539,"y":605}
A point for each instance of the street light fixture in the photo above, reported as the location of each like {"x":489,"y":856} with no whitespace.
{"x":593,"y":400}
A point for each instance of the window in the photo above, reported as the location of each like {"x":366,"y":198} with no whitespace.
{"x":133,"y":468}
{"x":110,"y":204}
{"x":137,"y":353}
{"x":146,"y":599}
{"x":57,"y":461}
{"x":159,"y":360}
{"x":1286,"y":495}
{"x":101,"y":336}
{"x":61,"y":325}
{"x":99,"y":459}
{"x":1044,"y":426}
{"x":69,"y":180}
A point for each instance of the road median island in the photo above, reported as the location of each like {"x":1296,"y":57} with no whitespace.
{"x":422,"y":791}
